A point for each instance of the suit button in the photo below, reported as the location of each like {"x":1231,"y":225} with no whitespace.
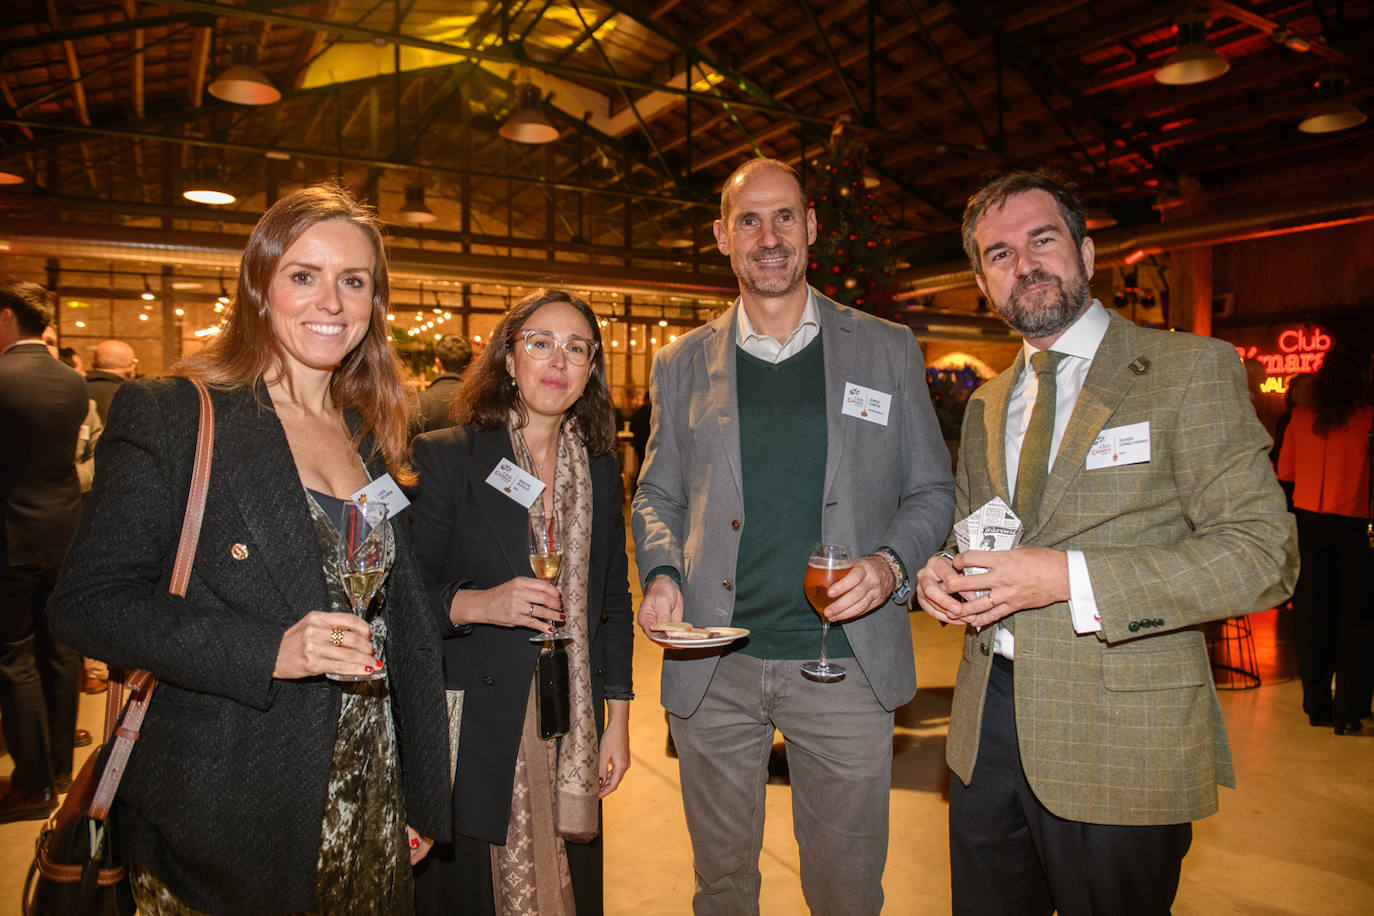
{"x":605,"y":616}
{"x":600,"y":672}
{"x":725,"y":584}
{"x":983,"y":647}
{"x":1133,"y":626}
{"x":734,"y":523}
{"x":1159,"y":621}
{"x":487,"y":679}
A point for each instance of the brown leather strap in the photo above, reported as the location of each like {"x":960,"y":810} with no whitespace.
{"x":70,"y":874}
{"x":195,"y":500}
{"x":141,"y":683}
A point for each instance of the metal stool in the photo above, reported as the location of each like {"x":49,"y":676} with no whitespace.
{"x":1231,"y":650}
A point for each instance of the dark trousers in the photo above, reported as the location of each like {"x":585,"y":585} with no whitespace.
{"x":39,"y":681}
{"x":1335,"y":616}
{"x":1009,"y":856}
{"x":456,"y":878}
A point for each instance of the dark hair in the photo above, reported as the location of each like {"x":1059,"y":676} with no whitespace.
{"x":29,"y":303}
{"x":67,"y":355}
{"x":997,"y":192}
{"x":1340,"y":386}
{"x":247,"y":352}
{"x":454,"y":352}
{"x":727,"y":190}
{"x":487,"y":396}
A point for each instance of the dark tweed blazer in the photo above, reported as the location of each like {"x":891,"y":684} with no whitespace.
{"x":225,"y":792}
{"x":1123,"y":727}
{"x":467,"y":531}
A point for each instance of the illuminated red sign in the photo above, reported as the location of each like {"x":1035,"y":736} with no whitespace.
{"x":1299,"y":350}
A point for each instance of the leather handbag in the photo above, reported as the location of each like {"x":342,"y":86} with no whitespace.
{"x":76,"y":869}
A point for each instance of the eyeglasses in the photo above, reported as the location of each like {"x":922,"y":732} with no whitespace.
{"x":578,"y":351}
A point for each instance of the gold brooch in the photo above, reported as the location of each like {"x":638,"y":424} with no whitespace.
{"x":239,"y":551}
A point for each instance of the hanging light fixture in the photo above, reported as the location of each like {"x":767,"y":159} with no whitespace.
{"x":1194,"y":61}
{"x":675,"y":234}
{"x":1334,"y":111}
{"x":8,"y":177}
{"x":223,"y":299}
{"x":529,"y":124}
{"x":206,"y":188}
{"x":243,"y":83}
{"x":415,"y":210}
{"x":1096,"y":216}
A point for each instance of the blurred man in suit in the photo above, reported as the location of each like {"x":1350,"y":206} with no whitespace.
{"x":42,"y":406}
{"x":1085,"y":731}
{"x":757,"y":451}
{"x":451,"y":357}
{"x":114,"y":365}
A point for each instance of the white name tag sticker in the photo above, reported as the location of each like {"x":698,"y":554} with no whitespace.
{"x":383,"y":490}
{"x":520,"y":486}
{"x":1120,"y":445}
{"x":866,"y":403}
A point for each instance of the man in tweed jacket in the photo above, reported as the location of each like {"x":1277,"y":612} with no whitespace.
{"x":1085,"y":730}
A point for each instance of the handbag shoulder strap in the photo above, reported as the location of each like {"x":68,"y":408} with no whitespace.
{"x":121,"y":738}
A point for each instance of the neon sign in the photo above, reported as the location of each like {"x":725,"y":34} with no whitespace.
{"x":1299,"y":350}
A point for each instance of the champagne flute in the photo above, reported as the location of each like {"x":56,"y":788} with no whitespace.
{"x":546,"y":559}
{"x":366,"y":550}
{"x":827,"y":565}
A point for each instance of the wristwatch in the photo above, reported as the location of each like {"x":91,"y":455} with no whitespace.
{"x":902,"y":587}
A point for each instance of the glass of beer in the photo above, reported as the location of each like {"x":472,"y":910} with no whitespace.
{"x":827,"y":564}
{"x":546,"y":559}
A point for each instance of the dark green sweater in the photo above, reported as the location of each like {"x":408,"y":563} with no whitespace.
{"x":782,"y":455}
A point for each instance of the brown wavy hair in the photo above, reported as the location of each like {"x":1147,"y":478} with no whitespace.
{"x":247,"y":354}
{"x":487,"y":394}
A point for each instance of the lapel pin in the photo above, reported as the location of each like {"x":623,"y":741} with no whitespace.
{"x":239,"y":551}
{"x":1140,"y":365}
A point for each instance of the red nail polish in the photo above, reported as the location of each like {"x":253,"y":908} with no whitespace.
{"x":368,"y":669}
{"x":380,"y":663}
{"x":414,"y":843}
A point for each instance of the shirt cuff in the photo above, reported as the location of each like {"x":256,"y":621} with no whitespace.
{"x":669,"y":571}
{"x":1082,"y":603}
{"x":455,"y":629}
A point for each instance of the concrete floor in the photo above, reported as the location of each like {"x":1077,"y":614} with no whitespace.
{"x":1296,"y":836}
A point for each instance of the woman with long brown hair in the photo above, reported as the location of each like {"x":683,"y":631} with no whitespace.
{"x":1326,"y":451}
{"x":257,"y":784}
{"x":535,"y":410}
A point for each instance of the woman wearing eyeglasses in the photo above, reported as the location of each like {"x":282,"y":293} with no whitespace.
{"x":537,"y":430}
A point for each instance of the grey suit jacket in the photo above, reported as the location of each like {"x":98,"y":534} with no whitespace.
{"x":1123,"y":727}
{"x":884,"y":485}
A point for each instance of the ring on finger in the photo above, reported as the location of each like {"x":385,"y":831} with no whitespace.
{"x":336,"y":635}
{"x":530,"y":611}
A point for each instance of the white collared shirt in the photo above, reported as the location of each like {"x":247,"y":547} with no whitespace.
{"x":767,"y":348}
{"x":1079,"y":345}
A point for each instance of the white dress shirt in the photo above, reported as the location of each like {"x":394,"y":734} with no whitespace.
{"x":767,"y":348}
{"x":1079,"y":344}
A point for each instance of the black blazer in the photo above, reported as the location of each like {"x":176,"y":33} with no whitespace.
{"x":225,"y":793}
{"x":467,"y":531}
{"x":42,"y":407}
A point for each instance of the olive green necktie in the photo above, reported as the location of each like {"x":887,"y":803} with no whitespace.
{"x":1033,"y":468}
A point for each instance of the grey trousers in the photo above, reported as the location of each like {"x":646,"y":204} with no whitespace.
{"x":839,"y":755}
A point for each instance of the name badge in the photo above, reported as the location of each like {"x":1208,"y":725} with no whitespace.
{"x":865,"y":403}
{"x":383,"y":490}
{"x":517,"y":484}
{"x":1121,"y":445}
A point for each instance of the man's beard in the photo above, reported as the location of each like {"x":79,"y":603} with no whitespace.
{"x":772,"y":283}
{"x":1058,"y":309}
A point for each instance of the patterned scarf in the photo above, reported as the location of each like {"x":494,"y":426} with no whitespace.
{"x":555,"y":792}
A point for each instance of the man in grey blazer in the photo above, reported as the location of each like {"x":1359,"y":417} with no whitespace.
{"x":1085,"y":731}
{"x":758,"y":449}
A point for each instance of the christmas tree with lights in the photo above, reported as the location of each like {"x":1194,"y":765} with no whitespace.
{"x":853,"y":259}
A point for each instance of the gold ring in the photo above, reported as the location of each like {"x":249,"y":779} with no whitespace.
{"x":336,"y":636}
{"x":530,"y":611}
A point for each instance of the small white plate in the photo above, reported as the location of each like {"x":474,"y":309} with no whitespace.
{"x":727,"y":636}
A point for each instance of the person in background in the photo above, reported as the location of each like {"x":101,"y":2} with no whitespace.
{"x":1085,"y":734}
{"x":639,"y":430}
{"x":755,"y":455}
{"x":42,"y":405}
{"x":114,"y":364}
{"x":257,"y":784}
{"x":69,"y":356}
{"x":1326,"y":455}
{"x":451,"y":357}
{"x":527,"y":811}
